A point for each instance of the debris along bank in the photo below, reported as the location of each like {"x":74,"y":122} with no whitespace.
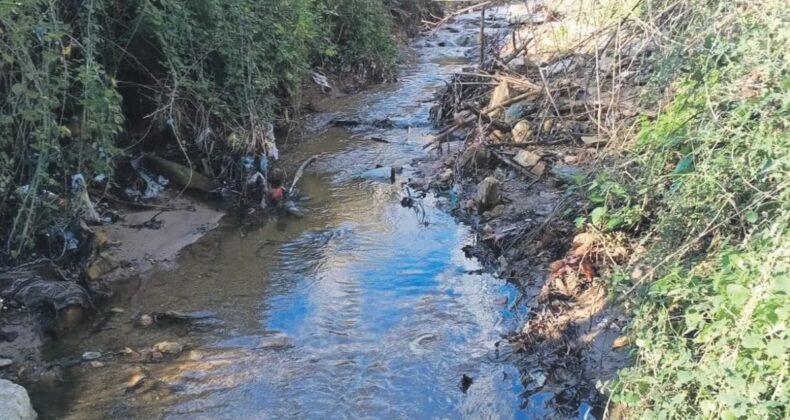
{"x":629,"y":169}
{"x":519,"y":134}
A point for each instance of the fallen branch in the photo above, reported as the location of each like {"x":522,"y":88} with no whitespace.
{"x":497,"y":124}
{"x":516,"y":81}
{"x":300,"y":172}
{"x":509,"y":162}
{"x":505,"y":61}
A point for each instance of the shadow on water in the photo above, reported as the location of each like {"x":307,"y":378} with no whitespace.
{"x":359,"y":309}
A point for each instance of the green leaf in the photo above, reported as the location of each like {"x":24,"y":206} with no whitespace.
{"x":752,"y":217}
{"x":776,"y":348}
{"x":614,"y":223}
{"x":738,"y":294}
{"x":597,"y":215}
{"x":753,"y":341}
{"x":729,"y":415}
{"x":18,"y":89}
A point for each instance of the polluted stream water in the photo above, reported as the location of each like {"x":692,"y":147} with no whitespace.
{"x":360,"y":308}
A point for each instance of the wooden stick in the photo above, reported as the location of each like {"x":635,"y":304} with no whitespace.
{"x":514,"y":80}
{"x":300,"y":172}
{"x":497,"y":124}
{"x":504,"y":62}
{"x":509,"y":162}
{"x":482,"y":36}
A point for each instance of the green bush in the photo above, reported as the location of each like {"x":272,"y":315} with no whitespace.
{"x":79,"y":81}
{"x":712,"y":185}
{"x":60,"y":114}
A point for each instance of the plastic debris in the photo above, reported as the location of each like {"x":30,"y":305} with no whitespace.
{"x":247,"y":162}
{"x":77,"y":182}
{"x":153,"y":187}
{"x":514,"y":112}
{"x":271,"y":147}
{"x":321,"y":81}
{"x":264,"y":164}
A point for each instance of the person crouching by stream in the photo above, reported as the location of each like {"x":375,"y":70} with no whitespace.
{"x":275,"y":192}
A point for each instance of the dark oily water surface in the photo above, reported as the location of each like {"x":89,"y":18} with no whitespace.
{"x":359,"y":309}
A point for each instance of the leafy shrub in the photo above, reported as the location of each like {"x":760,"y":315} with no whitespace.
{"x":81,"y":80}
{"x":713,"y":178}
{"x":60,"y":114}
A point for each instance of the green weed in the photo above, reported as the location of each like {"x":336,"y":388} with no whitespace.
{"x":711,"y":189}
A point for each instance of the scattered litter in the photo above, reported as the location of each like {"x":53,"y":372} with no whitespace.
{"x":321,"y":81}
{"x":77,"y":182}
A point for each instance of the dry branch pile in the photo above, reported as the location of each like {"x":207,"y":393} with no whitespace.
{"x":531,"y":96}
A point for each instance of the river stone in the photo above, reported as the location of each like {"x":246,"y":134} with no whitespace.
{"x":168,"y":347}
{"x":547,"y":126}
{"x":91,"y":355}
{"x":14,"y":402}
{"x":501,"y":94}
{"x":521,"y":132}
{"x":538,"y":169}
{"x":526,"y":158}
{"x":488,"y":194}
{"x":145,"y":320}
{"x":6,"y":363}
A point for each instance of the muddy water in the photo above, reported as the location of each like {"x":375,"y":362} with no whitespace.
{"x":360,"y":309}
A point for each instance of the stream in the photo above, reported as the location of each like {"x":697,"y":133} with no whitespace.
{"x":361,"y":308}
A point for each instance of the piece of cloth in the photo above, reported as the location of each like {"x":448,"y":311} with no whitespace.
{"x":278,"y":194}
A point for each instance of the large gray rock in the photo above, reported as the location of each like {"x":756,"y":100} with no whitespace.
{"x":488,"y":194}
{"x":14,"y":402}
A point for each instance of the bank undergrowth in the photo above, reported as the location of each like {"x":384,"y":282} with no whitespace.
{"x":83,"y":84}
{"x":704,"y":189}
